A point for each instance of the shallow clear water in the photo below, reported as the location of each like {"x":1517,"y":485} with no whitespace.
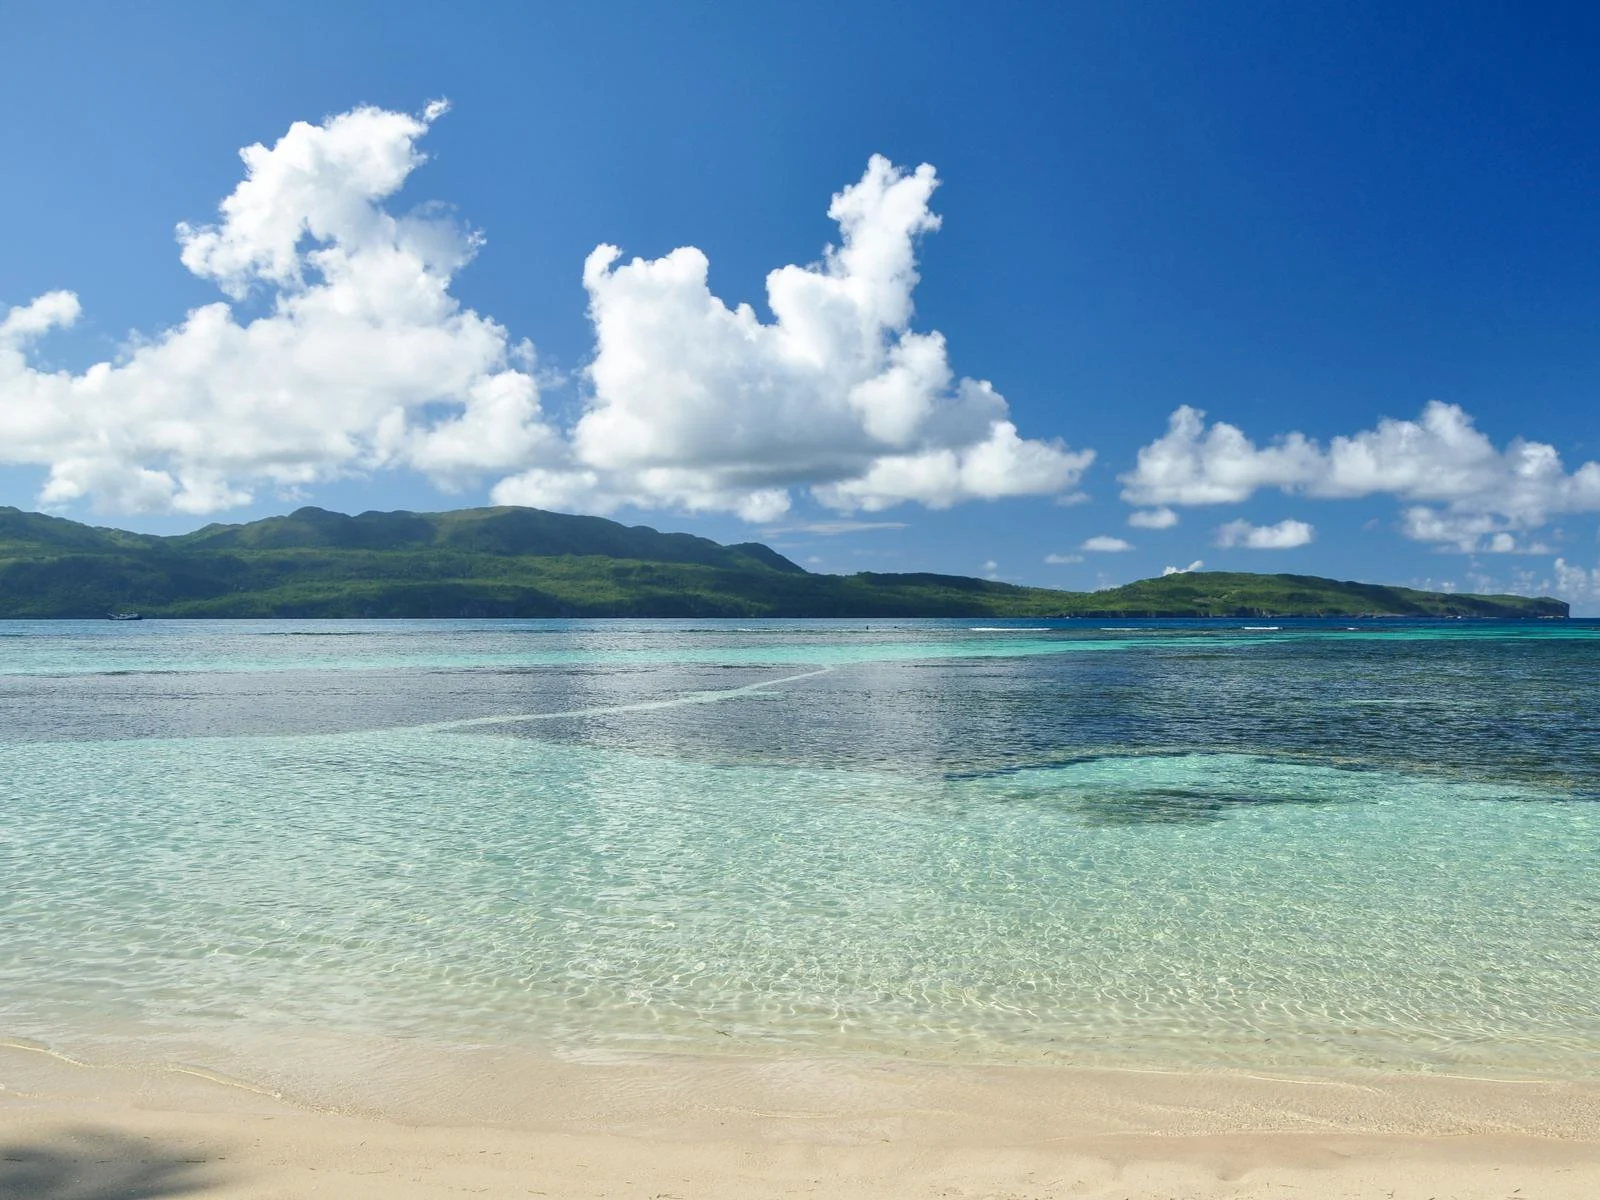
{"x":1187,"y":844}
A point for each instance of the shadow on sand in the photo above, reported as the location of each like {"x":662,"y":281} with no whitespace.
{"x":92,"y":1164}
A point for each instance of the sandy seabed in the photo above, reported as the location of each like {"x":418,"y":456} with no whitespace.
{"x":683,"y":1128}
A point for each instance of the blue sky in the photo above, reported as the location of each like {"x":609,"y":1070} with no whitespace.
{"x":1309,"y":222}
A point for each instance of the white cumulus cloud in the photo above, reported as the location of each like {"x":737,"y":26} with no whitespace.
{"x":702,"y":406}
{"x":1106,"y":545}
{"x":1285,"y":535}
{"x":1465,"y":489}
{"x":1194,"y":566}
{"x":362,"y":360}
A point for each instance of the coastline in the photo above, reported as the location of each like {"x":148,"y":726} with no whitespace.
{"x":685,"y":1126}
{"x":422,"y":961}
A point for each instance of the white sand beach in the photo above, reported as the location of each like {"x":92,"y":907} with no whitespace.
{"x":667,"y":1128}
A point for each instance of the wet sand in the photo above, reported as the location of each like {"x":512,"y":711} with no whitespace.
{"x":683,"y":1128}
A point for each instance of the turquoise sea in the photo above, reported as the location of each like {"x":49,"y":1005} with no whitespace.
{"x":1314,"y":846}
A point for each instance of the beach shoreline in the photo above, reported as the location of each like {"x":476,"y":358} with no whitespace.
{"x":687,"y":1126}
{"x":911,"y":928}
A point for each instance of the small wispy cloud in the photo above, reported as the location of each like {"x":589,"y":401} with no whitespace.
{"x":834,"y":528}
{"x":1063,"y":560}
{"x":1153,"y":518}
{"x":1101,"y":544}
{"x":1575,"y":583}
{"x":1285,"y":535}
{"x":1468,"y":533}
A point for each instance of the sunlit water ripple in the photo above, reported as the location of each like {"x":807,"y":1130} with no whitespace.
{"x":1184,"y":844}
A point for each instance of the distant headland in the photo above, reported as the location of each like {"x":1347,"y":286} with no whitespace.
{"x":524,"y":562}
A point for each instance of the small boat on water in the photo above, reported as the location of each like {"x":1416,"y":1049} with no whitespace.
{"x":124,"y":616}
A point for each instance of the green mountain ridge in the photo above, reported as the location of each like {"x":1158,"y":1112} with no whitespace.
{"x":525,"y":562}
